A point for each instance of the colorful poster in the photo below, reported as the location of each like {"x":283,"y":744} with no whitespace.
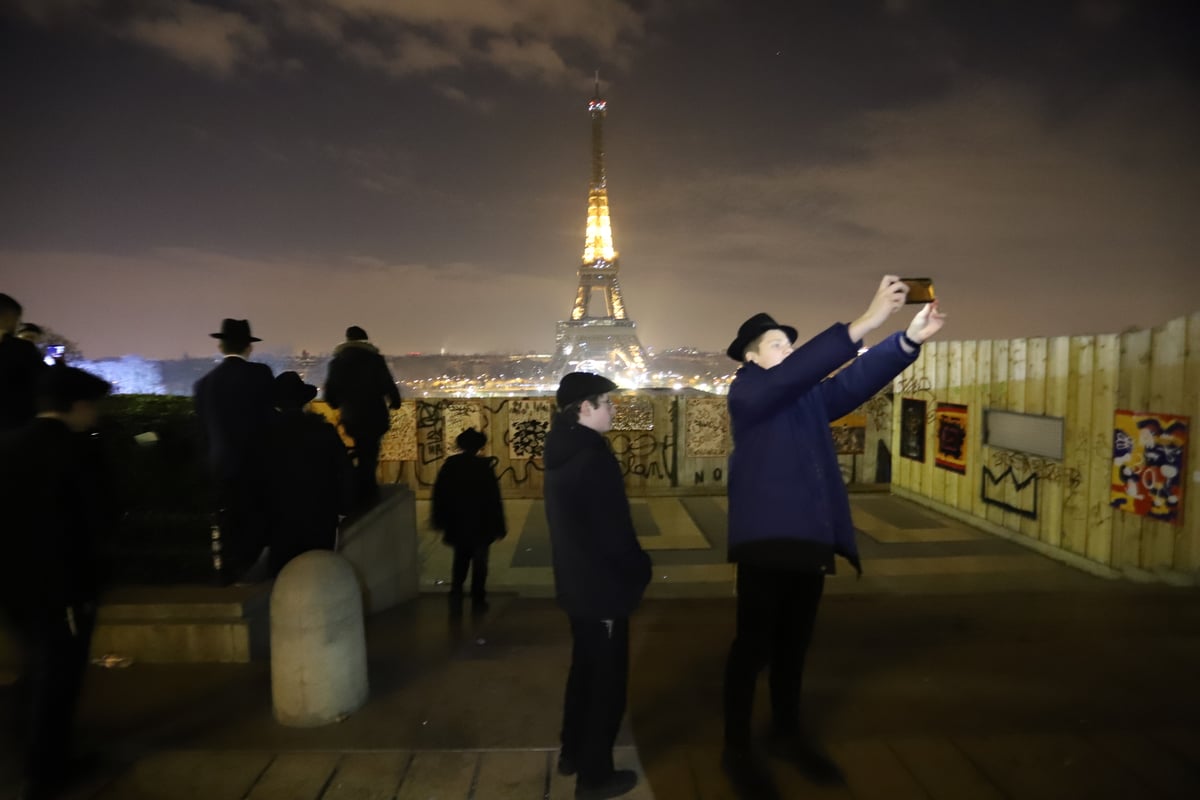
{"x":912,"y":429}
{"x":1149,"y":461}
{"x":952,"y":437}
{"x":849,"y":434}
{"x":707,"y":427}
{"x":528,"y":422}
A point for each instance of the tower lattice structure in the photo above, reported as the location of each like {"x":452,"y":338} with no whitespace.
{"x":599,"y":336}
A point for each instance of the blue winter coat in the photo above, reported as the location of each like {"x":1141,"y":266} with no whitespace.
{"x":784,"y":480}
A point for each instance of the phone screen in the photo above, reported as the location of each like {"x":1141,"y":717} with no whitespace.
{"x":920,"y":290}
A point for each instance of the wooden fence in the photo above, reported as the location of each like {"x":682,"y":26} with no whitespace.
{"x":1061,"y":506}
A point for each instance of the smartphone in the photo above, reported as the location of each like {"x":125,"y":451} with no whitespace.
{"x":920,"y":290}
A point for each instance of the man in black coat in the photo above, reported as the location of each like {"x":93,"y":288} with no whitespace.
{"x":360,"y":386}
{"x":235,"y":403}
{"x":311,"y":482}
{"x":600,"y":573}
{"x":48,"y":585}
{"x":468,"y":510}
{"x":20,"y":364}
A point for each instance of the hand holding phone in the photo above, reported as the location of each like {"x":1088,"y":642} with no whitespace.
{"x":920,"y":290}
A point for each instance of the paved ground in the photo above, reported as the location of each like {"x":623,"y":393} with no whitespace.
{"x":961,"y":667}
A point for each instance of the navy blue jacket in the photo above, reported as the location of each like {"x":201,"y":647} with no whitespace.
{"x":784,"y":480}
{"x":600,"y":570}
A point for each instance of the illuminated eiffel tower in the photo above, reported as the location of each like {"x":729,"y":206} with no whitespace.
{"x":599,"y":337}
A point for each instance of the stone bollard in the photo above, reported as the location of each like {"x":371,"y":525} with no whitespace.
{"x":318,"y":649}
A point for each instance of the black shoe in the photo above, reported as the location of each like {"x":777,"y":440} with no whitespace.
{"x":749,"y":774}
{"x":807,"y":757}
{"x":616,"y":784}
{"x":566,"y":765}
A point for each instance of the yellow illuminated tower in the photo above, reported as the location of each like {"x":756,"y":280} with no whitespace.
{"x":599,"y":336}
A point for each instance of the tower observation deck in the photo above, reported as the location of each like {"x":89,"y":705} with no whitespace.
{"x":599,"y":337}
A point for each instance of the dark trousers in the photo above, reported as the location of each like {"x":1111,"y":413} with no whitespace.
{"x":242,"y":518}
{"x":366,"y":461}
{"x":475,"y":559}
{"x":776,"y":611}
{"x":595,"y":698}
{"x":56,"y":648}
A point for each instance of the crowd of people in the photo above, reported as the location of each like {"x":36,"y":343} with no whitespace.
{"x":789,"y":517}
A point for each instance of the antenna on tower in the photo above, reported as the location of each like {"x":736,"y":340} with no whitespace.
{"x":597,"y":83}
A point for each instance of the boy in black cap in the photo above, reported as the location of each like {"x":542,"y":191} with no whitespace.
{"x":49,"y":487}
{"x":789,"y":513}
{"x":600,"y":573}
{"x":467,"y":509}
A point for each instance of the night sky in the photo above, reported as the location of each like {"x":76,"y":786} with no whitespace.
{"x":420,"y":167}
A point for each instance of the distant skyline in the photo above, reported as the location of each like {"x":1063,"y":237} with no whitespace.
{"x":420,"y":168}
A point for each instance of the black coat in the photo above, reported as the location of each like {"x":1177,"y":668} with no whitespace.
{"x":360,"y":385}
{"x":20,"y":363}
{"x":466,"y":502}
{"x":600,"y":570}
{"x":51,"y":518}
{"x":235,"y":403}
{"x":311,"y":485}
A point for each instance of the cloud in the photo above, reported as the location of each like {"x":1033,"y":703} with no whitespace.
{"x":205,"y":38}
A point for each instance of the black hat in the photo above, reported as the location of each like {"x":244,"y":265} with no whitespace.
{"x":235,"y":330}
{"x":576,"y":386}
{"x":470,"y":441}
{"x":753,"y":328}
{"x":355,"y":334}
{"x":60,"y":386}
{"x":291,"y":391}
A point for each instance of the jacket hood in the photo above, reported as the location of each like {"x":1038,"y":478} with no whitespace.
{"x":567,"y":440}
{"x":355,"y":344}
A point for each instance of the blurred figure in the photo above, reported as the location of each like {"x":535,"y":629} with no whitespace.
{"x":235,"y":403}
{"x":360,"y":386}
{"x":311,"y":477}
{"x":49,"y":493}
{"x":31,"y":333}
{"x":468,"y":510}
{"x":20,"y":364}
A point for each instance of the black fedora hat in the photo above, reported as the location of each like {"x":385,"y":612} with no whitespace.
{"x":235,"y":330}
{"x":753,"y":328}
{"x":470,"y":441}
{"x":291,"y":391}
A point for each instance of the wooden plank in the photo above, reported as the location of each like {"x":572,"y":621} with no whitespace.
{"x":1133,"y":393}
{"x":1168,"y":345}
{"x":1057,"y":377}
{"x":936,"y":372}
{"x":439,"y":776}
{"x":928,"y":367}
{"x":1187,"y":545}
{"x":295,"y":776}
{"x":1050,"y":766}
{"x":999,"y":400}
{"x":977,"y":455}
{"x":189,"y":775}
{"x":1017,"y":366}
{"x":1104,"y":401}
{"x":1035,"y":403}
{"x":368,"y":776}
{"x":943,"y":770}
{"x":1078,"y":432}
{"x":1165,"y":773}
{"x":874,"y":772}
{"x":969,"y":396}
{"x":511,"y":775}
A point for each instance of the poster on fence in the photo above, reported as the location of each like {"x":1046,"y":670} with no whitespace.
{"x":456,"y":418}
{"x":400,"y":441}
{"x":707,"y":427}
{"x":631,"y":413}
{"x":1149,"y":461}
{"x":528,"y":422}
{"x":952,"y":437}
{"x":849,"y":434}
{"x":912,"y":429}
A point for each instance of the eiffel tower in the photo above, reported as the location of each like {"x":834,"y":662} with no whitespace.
{"x":599,"y":337}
